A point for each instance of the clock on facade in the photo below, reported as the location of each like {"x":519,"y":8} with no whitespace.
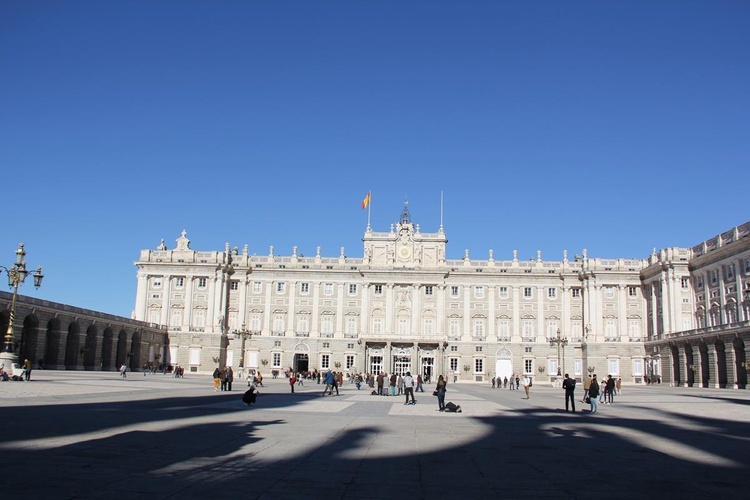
{"x":404,"y":253}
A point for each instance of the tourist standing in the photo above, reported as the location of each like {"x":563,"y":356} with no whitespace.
{"x":217,"y":378}
{"x":526,"y":386}
{"x":292,"y":381}
{"x":569,"y":385}
{"x":586,"y":387}
{"x":230,"y":378}
{"x":27,"y":370}
{"x":419,"y":384}
{"x":409,"y":388}
{"x":593,"y":393}
{"x":440,"y":392}
{"x":393,"y":381}
{"x":381,"y":379}
{"x":512,"y":383}
{"x":328,"y":382}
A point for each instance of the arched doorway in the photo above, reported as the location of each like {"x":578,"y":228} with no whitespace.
{"x":739,"y":362}
{"x":122,"y":349}
{"x":90,"y":348}
{"x":29,"y":339}
{"x":503,"y":363}
{"x":107,"y":347}
{"x":721,"y":363}
{"x":676,"y":378}
{"x":705,"y":372}
{"x":52,"y":349}
{"x":692,"y":368}
{"x":301,"y":361}
{"x":72,"y":344}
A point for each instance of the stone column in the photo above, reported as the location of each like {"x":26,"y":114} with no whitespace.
{"x":713,"y":367}
{"x":683,"y":366}
{"x":315,"y":316}
{"x":731,"y":365}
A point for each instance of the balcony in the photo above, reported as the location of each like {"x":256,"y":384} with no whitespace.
{"x":351,"y":335}
{"x":611,"y":339}
{"x":528,"y":339}
{"x":277,"y":334}
{"x":301,"y":334}
{"x":326,"y":335}
{"x":503,"y":339}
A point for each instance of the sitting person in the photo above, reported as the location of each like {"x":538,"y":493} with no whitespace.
{"x":3,"y":374}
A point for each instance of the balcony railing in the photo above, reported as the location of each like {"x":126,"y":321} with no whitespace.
{"x":351,"y":335}
{"x":326,"y":335}
{"x":277,"y":334}
{"x":611,"y":339}
{"x":301,"y":334}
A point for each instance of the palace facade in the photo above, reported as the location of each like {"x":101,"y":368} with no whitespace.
{"x":402,"y":306}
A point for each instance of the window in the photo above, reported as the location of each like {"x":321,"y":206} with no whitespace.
{"x":280,"y":287}
{"x":699,"y":282}
{"x":255,"y":322}
{"x":326,"y":345}
{"x":179,"y":282}
{"x":610,"y":329}
{"x":428,"y":290}
{"x":234,"y":285}
{"x":633,"y":292}
{"x":325,"y":361}
{"x":575,"y":293}
{"x":403,"y":326}
{"x":552,"y":293}
{"x":350,"y":346}
{"x":427,"y":327}
{"x":714,"y":277}
{"x":378,"y":289}
{"x":478,"y":348}
{"x":377,"y":326}
{"x":552,"y":329}
{"x":328,"y":288}
{"x":730,"y":271}
{"x":578,"y":367}
{"x":613,"y":367}
{"x":503,"y":329}
{"x":157,"y":282}
{"x":527,"y":349}
{"x":528,"y":366}
{"x":502,"y":292}
{"x":478,"y":292}
{"x":527,"y":294}
{"x":176,"y":321}
{"x":304,"y":287}
{"x":303,"y":324}
{"x":352,"y":289}
{"x":479,"y":365}
{"x":326,"y":326}
{"x":455,"y":327}
{"x":277,"y":360}
{"x":201,"y":282}
{"x":747,"y":266}
{"x":351,"y":325}
{"x":637,"y":367}
{"x":528,"y":329}
{"x":349,"y":361}
{"x":278,"y":323}
{"x":634,"y":328}
{"x":257,"y":288}
{"x":685,"y":283}
{"x":609,"y":292}
{"x":454,"y":364}
{"x":479,"y":329}
{"x":454,"y":348}
{"x":552,"y":366}
{"x":454,"y":291}
{"x":277,"y":343}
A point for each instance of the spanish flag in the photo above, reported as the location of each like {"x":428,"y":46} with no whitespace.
{"x":366,"y":201}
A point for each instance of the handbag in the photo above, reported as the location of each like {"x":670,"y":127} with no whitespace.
{"x":435,"y":392}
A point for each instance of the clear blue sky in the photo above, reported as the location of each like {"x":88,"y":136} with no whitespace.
{"x":613,"y":126}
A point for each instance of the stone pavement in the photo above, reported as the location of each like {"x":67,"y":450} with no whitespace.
{"x":94,"y":435}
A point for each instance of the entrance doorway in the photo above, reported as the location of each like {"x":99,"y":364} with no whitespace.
{"x":401,"y":364}
{"x":428,"y":368}
{"x":301,"y":363}
{"x":376,"y":364}
{"x":503,"y":368}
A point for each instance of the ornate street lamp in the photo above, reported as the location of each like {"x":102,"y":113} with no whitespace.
{"x":16,"y":277}
{"x":561,"y":342}
{"x":243,"y":334}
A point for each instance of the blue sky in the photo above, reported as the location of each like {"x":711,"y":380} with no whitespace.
{"x":612,"y":126}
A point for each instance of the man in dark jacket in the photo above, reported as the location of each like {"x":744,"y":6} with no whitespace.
{"x":569,"y":385}
{"x":593,"y":393}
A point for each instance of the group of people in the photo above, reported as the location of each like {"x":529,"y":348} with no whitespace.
{"x":513,"y":383}
{"x":223,"y":378}
{"x":594,"y":392}
{"x":24,"y":375}
{"x":394,"y":384}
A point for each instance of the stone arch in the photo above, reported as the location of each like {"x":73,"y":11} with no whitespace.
{"x":676,"y":377}
{"x":90,"y":348}
{"x":302,"y":347}
{"x":52,"y":348}
{"x":739,"y":361}
{"x":690,"y":364}
{"x":72,"y":344}
{"x":29,"y":341}
{"x":503,"y":353}
{"x":721,"y":363}
{"x":704,"y":368}
{"x":107,"y":348}
{"x":122,"y":349}
{"x":135,"y":351}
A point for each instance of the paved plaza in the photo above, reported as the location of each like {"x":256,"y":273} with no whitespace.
{"x":95,"y":435}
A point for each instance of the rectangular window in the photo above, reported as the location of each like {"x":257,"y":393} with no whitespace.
{"x":428,"y":290}
{"x":304,"y":288}
{"x":201,"y":282}
{"x":528,"y":366}
{"x":632,"y":292}
{"x":234,"y":285}
{"x":352,"y":289}
{"x":280,"y":287}
{"x":552,"y":328}
{"x":326,"y":345}
{"x":479,"y":329}
{"x":349,"y":361}
{"x":478,"y":292}
{"x":478,"y":348}
{"x":257,"y":288}
{"x":609,"y":292}
{"x":747,"y":266}
{"x":427,"y":327}
{"x":455,"y":327}
{"x":277,"y":360}
{"x":527,"y":293}
{"x":637,"y":367}
{"x":378,"y":289}
{"x":454,"y":291}
{"x":403,"y":326}
{"x":326,"y":326}
{"x":634,"y":328}
{"x":179,"y":282}
{"x":610,"y":329}
{"x":278,"y":323}
{"x":528,"y":329}
{"x":157,"y":282}
{"x":328,"y":289}
{"x":351,"y":325}
{"x":578,"y":367}
{"x":730,"y":271}
{"x":350,"y":346}
{"x":503,"y":330}
{"x":714,"y":276}
{"x":685,"y":283}
{"x":377,"y":326}
{"x":502,"y":292}
{"x":479,"y":365}
{"x":277,"y":343}
{"x":552,"y":367}
{"x":325,"y":361}
{"x":255,"y":322}
{"x":613,"y":366}
{"x":552,"y":293}
{"x":575,"y":292}
{"x":454,"y":364}
{"x":454,"y":348}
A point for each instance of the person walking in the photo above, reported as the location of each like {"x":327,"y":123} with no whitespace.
{"x":409,"y":389}
{"x":593,"y":393}
{"x":618,"y":386}
{"x":328,"y":382}
{"x":569,"y":385}
{"x":440,"y":392}
{"x":292,"y":381}
{"x":609,"y":390}
{"x":586,"y":386}
{"x":505,"y":382}
{"x":124,"y":371}
{"x":512,"y":383}
{"x":419,"y":384}
{"x":217,"y":378}
{"x":526,"y":386}
{"x":230,"y":378}
{"x":518,"y":383}
{"x":27,"y":370}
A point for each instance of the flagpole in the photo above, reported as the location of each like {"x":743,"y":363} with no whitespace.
{"x":369,"y":207}
{"x":441,"y":213}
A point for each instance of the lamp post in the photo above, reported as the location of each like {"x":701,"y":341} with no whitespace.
{"x":583,"y":276}
{"x":561,"y":342}
{"x":16,"y":276}
{"x":243,"y":334}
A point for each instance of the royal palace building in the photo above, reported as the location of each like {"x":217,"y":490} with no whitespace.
{"x":680,"y":316}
